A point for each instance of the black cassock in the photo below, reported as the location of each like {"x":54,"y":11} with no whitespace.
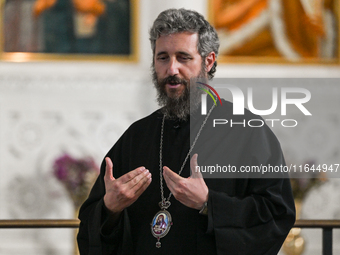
{"x":245,"y":215}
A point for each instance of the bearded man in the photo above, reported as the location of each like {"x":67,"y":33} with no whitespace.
{"x":147,"y":172}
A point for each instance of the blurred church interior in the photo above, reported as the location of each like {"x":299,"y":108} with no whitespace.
{"x":75,"y":74}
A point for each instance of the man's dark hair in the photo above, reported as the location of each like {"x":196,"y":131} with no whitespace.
{"x":180,"y":20}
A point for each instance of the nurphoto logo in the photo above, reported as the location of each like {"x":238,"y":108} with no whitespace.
{"x":295,"y":96}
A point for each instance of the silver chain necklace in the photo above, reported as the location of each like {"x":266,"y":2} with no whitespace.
{"x":162,"y":221}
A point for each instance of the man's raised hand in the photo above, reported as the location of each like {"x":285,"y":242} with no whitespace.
{"x":122,"y":192}
{"x":192,"y":191}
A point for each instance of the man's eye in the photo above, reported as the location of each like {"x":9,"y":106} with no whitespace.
{"x":184,"y":58}
{"x":162,"y":58}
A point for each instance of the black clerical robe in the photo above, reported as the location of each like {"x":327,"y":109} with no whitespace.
{"x":245,"y":215}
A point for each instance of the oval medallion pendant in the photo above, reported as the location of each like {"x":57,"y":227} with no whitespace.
{"x":160,"y":225}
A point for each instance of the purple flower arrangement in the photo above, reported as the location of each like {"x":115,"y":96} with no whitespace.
{"x":77,"y":175}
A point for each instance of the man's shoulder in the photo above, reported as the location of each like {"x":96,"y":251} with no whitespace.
{"x":146,"y":121}
{"x":246,"y":123}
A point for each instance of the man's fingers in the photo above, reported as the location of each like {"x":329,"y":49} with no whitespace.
{"x":142,"y":185}
{"x":108,"y":169}
{"x":172,"y":179}
{"x":132,"y":174}
{"x":167,"y":172}
{"x":136,"y":181}
{"x":195,"y":173}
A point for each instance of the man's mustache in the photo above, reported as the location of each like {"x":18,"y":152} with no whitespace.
{"x":172,"y":80}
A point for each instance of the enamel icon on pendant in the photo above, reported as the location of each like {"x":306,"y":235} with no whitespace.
{"x":160,"y":225}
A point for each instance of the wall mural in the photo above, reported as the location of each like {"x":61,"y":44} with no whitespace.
{"x":277,"y":30}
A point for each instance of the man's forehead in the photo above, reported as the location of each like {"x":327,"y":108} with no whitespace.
{"x":183,"y":41}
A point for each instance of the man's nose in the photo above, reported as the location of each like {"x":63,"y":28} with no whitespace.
{"x":173,"y":67}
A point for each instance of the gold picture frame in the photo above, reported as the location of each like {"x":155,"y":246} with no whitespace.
{"x":98,"y":50}
{"x":250,"y":31}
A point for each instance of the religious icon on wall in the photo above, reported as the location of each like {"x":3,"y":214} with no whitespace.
{"x":90,"y":27}
{"x":290,"y":30}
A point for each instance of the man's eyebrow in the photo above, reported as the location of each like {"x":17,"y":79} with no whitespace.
{"x":161,"y":53}
{"x":184,"y":53}
{"x":179,"y":52}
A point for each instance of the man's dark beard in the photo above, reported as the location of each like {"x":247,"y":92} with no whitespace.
{"x":177,"y":106}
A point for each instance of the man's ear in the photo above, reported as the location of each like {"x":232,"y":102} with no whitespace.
{"x":209,"y":61}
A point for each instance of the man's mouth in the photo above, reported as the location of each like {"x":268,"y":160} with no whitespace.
{"x":173,"y":85}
